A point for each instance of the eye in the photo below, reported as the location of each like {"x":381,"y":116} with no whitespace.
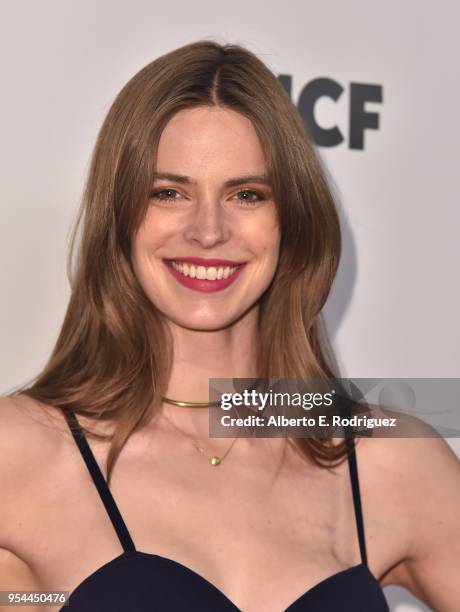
{"x":247,"y":196}
{"x":163,"y":194}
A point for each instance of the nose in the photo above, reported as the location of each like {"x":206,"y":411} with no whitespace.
{"x":207,"y":225}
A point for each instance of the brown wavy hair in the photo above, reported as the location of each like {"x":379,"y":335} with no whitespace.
{"x":112,"y":358}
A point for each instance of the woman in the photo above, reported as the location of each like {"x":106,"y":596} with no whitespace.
{"x":209,"y":245}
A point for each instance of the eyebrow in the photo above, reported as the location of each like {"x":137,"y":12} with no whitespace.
{"x":233,"y":182}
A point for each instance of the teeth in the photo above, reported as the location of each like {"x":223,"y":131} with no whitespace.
{"x":202,"y":272}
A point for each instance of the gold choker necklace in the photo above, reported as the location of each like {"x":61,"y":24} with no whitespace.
{"x":190,"y":404}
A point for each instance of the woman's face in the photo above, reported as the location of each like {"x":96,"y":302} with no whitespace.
{"x":208,"y":247}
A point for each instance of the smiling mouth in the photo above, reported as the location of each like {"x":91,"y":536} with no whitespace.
{"x":203,"y":272}
{"x":205,"y":275}
{"x":210,"y":273}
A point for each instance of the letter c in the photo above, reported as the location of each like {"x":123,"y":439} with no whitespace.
{"x":310,"y":94}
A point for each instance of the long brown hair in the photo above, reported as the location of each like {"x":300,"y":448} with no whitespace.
{"x":113,"y":355}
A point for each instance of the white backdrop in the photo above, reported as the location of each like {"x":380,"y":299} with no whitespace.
{"x":394,"y":308}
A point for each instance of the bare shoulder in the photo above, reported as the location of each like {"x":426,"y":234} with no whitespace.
{"x":23,"y":423}
{"x":36,"y":449}
{"x":40,"y":469}
{"x":414,"y":490}
{"x":27,"y":427}
{"x":417,"y":459}
{"x":411,"y":456}
{"x":29,"y":437}
{"x":20,"y":408}
{"x":416,"y":464}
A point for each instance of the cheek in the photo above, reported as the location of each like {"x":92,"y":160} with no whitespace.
{"x":270,"y":246}
{"x":260,"y":231}
{"x":147,"y":239}
{"x":142,"y":248}
{"x":137,"y":249}
{"x":273,"y":251}
{"x":272,"y":257}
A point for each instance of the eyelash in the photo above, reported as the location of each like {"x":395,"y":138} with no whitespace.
{"x":154,"y":195}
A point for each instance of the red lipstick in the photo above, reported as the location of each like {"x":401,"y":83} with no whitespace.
{"x":199,"y":261}
{"x":204,"y":285}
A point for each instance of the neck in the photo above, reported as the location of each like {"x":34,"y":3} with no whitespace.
{"x":201,"y":355}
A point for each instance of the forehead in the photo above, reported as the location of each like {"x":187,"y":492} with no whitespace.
{"x":204,"y":139}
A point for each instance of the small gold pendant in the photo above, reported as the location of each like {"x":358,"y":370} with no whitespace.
{"x":215,"y":460}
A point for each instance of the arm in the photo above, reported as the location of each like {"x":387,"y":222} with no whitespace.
{"x":15,"y":573}
{"x":27,"y":445}
{"x":432,"y":569}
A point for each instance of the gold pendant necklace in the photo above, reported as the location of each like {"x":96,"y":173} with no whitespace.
{"x":214,"y":460}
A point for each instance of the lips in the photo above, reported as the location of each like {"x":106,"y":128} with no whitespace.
{"x":200,"y":261}
{"x":216,"y":282}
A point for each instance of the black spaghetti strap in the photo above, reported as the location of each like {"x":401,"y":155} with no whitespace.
{"x":352,"y":464}
{"x":100,"y":482}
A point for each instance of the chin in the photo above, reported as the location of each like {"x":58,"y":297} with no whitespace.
{"x":200,"y":324}
{"x":205,"y":321}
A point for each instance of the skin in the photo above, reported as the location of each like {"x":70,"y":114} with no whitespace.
{"x":213,"y":332}
{"x":254,"y":517}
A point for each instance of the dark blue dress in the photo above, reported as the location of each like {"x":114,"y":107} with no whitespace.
{"x":140,"y":582}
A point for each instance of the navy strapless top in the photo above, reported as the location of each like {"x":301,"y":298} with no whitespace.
{"x":135,"y":581}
